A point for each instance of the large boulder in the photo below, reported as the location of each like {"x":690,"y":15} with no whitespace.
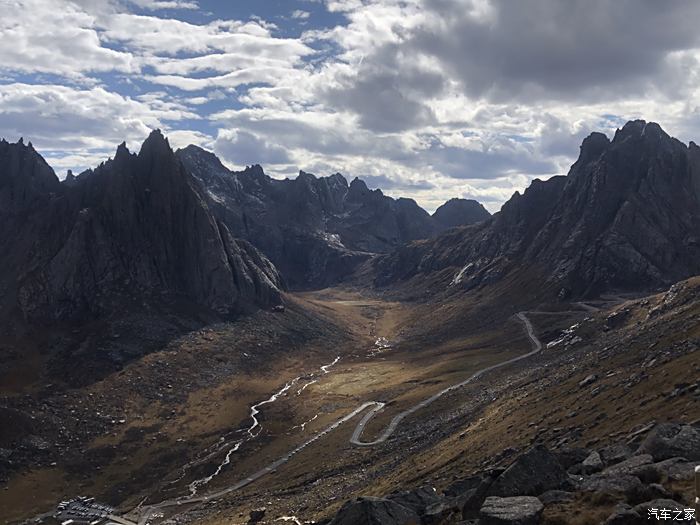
{"x":418,"y":500}
{"x":533,"y":473}
{"x":610,"y":483}
{"x":670,"y":440}
{"x":631,"y":466}
{"x":521,"y":510}
{"x":256,"y":515}
{"x":476,"y":489}
{"x":570,"y":457}
{"x":592,"y":464}
{"x":375,"y":511}
{"x":675,"y":469}
{"x":624,"y":515}
{"x":556,"y":496}
{"x":615,"y":453}
{"x":462,"y":486}
{"x":441,"y":513}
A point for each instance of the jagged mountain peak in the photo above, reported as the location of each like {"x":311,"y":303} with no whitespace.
{"x":358,"y":189}
{"x":359,"y":184}
{"x":314,"y":228}
{"x":640,"y":128}
{"x":649,"y":134}
{"x":25,"y":177}
{"x":156,"y":141}
{"x":338,"y":178}
{"x":303,"y":176}
{"x":122,"y":151}
{"x":593,"y":146}
{"x":455,"y":212}
{"x":137,"y":228}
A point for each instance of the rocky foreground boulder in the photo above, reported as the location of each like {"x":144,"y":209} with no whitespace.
{"x":531,"y":474}
{"x":672,"y":440}
{"x":635,"y":484}
{"x":518,"y":510}
{"x":375,"y":511}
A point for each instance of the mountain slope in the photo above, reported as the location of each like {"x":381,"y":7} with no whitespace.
{"x":315,"y":229}
{"x":136,"y":229}
{"x":626,"y":217}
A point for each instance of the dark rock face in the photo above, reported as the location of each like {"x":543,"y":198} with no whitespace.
{"x":315,"y":229}
{"x":257,"y":515}
{"x":670,"y":440}
{"x":627,"y":216}
{"x":472,"y":492}
{"x":460,"y":212}
{"x":592,"y":463}
{"x":608,"y":483}
{"x":136,"y":229}
{"x":26,"y":180}
{"x":520,"y":510}
{"x":623,"y":516}
{"x":418,"y":500}
{"x":531,"y":474}
{"x":375,"y":511}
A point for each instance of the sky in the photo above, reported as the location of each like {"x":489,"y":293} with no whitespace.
{"x":428,"y":99}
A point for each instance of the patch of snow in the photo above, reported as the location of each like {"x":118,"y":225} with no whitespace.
{"x":460,"y":275}
{"x":333,"y":239}
{"x":216,"y":197}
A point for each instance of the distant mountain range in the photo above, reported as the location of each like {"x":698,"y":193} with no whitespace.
{"x":159,"y":225}
{"x":627,"y":217}
{"x":316,"y":229}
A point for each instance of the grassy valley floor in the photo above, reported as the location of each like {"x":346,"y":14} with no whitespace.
{"x":334,"y":350}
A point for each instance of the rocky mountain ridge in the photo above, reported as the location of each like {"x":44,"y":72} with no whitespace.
{"x":317,"y":229}
{"x":135,"y":230}
{"x":626,"y":217}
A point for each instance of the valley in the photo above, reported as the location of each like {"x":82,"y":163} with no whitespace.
{"x":349,"y":262}
{"x":326,"y":388}
{"x":301,"y":420}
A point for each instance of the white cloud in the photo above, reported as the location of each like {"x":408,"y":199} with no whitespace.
{"x":165,"y":4}
{"x":76,"y":125}
{"x":45,"y":36}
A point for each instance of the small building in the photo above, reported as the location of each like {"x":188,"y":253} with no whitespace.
{"x":83,"y":511}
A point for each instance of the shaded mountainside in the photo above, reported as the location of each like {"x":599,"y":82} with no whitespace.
{"x":315,"y":229}
{"x":135,"y":230}
{"x":626,"y":217}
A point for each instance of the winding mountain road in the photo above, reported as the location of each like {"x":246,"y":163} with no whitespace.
{"x":142,"y":513}
{"x":378,"y":406}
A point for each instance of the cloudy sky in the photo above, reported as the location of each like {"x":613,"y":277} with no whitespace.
{"x":424,"y":98}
